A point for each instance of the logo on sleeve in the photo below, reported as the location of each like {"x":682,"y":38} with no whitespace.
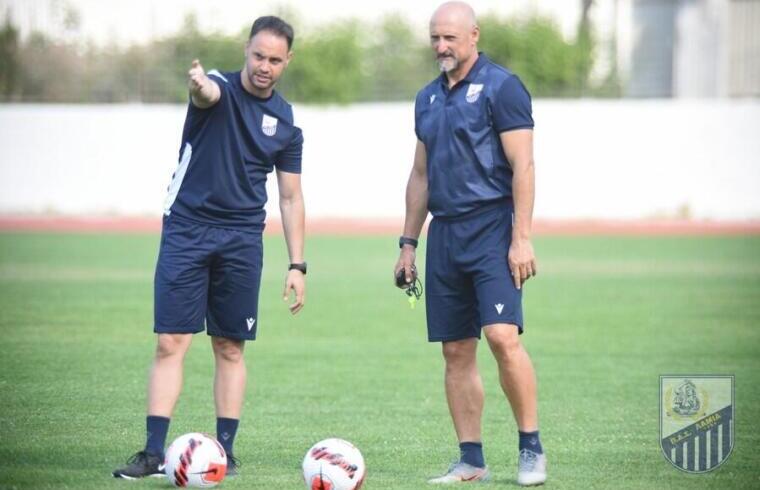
{"x":432,"y":99}
{"x":473,"y":92}
{"x":250,"y":322}
{"x":269,"y":125}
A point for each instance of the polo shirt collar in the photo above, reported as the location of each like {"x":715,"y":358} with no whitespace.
{"x":479,"y":63}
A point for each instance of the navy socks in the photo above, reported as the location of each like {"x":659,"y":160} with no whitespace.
{"x":530,"y":441}
{"x":472,"y":454}
{"x":156,"y":427}
{"x":225,"y":432}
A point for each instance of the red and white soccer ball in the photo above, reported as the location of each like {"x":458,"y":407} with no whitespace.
{"x":333,"y":464}
{"x":195,"y":460}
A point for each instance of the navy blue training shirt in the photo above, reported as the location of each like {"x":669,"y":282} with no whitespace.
{"x":226,"y":153}
{"x":460,"y":129}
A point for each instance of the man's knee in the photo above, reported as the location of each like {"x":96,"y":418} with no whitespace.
{"x":228,"y":350}
{"x":459,"y":352}
{"x":172,"y":344}
{"x":504,"y":340}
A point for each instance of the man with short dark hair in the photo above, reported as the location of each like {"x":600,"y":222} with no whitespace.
{"x":237,"y":130}
{"x":473,"y":170}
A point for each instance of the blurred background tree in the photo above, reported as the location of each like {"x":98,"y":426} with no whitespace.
{"x":534,"y":49}
{"x":342,"y":62}
{"x":326,"y":66}
{"x":396,"y":63}
{"x":9,"y":60}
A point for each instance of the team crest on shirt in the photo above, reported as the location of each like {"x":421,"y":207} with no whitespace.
{"x":473,"y":92}
{"x":269,"y":125}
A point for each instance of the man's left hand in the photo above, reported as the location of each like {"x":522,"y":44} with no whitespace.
{"x":522,"y":261}
{"x":295,"y":281}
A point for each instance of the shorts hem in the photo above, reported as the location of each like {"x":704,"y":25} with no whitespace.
{"x":451,"y":338}
{"x":231,"y":336}
{"x":503,"y":321}
{"x":165,"y":329}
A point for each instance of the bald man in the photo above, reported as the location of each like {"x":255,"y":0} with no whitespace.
{"x":473,"y":171}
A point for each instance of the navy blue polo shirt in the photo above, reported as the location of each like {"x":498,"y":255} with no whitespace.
{"x":226,"y":153}
{"x":460,"y":129}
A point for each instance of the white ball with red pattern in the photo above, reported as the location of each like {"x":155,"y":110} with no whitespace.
{"x":333,"y":464}
{"x":195,"y":460}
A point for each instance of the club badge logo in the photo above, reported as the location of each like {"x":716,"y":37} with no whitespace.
{"x":696,"y":421}
{"x":473,"y":92}
{"x":269,"y":125}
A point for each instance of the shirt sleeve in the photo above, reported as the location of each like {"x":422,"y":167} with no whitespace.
{"x":289,"y":159}
{"x":417,"y":116}
{"x":512,"y":108}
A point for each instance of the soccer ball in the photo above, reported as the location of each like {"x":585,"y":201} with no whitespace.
{"x":195,"y":460}
{"x":333,"y":464}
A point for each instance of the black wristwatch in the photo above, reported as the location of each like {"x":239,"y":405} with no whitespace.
{"x":404,"y":240}
{"x":299,"y":267}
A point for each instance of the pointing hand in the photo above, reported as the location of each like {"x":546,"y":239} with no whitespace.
{"x":197,"y":79}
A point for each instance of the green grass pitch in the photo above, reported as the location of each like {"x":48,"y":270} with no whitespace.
{"x":604,"y":318}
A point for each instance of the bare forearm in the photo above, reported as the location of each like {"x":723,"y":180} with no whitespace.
{"x":523,"y":193}
{"x":292,"y":213}
{"x":416,"y":204}
{"x":206,"y":96}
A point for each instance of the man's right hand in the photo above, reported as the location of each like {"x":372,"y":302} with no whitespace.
{"x":406,"y":263}
{"x":203,"y":91}
{"x":197,"y":78}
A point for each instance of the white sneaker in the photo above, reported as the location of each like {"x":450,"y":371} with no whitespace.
{"x":462,"y":472}
{"x":531,"y":468}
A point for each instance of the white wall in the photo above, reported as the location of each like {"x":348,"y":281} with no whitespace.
{"x":595,"y":159}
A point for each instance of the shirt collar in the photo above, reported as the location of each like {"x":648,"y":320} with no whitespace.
{"x":479,"y":63}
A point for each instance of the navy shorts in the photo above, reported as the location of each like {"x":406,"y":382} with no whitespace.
{"x":468,"y":284}
{"x":207,"y":277}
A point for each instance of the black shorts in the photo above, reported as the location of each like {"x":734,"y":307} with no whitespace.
{"x":468,"y":283}
{"x":207,"y":277}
